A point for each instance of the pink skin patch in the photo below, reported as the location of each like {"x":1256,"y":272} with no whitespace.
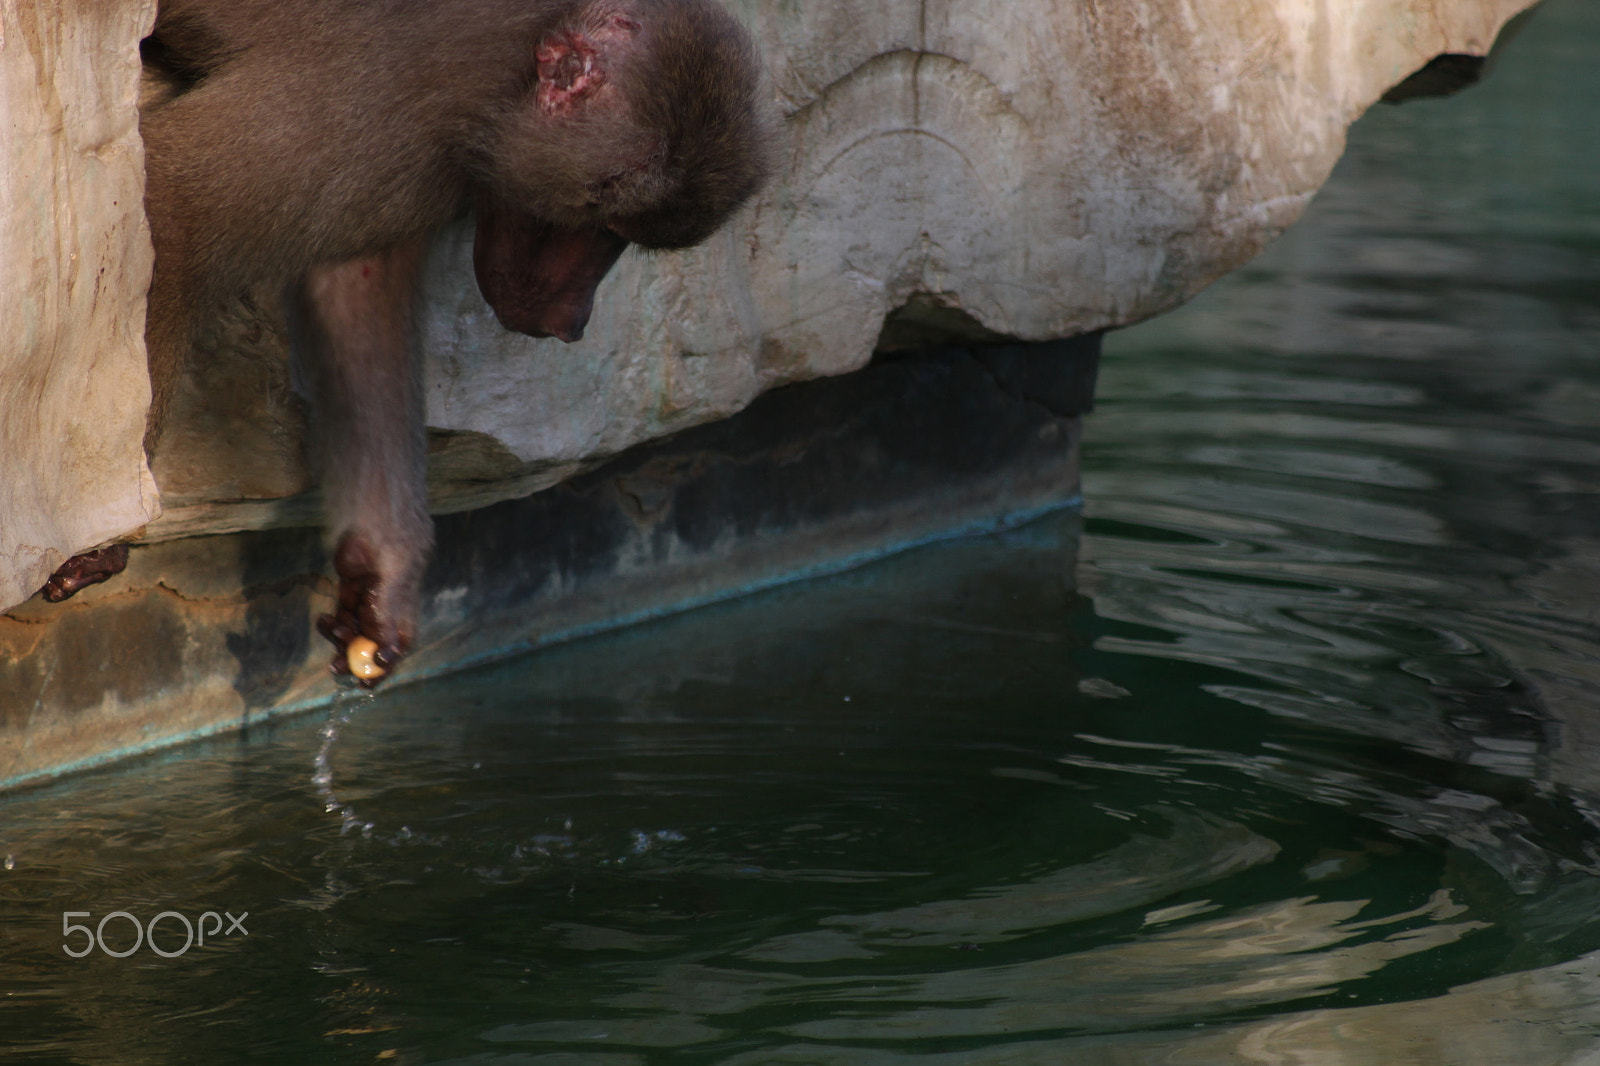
{"x":568,"y":71}
{"x":570,"y":67}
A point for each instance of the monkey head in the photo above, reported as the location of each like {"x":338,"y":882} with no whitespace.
{"x":644,"y":123}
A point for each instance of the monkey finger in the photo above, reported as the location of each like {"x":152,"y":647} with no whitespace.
{"x":387,"y":656}
{"x":341,"y":632}
{"x":334,"y":628}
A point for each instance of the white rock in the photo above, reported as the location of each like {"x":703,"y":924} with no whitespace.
{"x":74,"y":265}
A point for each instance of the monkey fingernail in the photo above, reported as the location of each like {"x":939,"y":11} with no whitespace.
{"x":361,"y":656}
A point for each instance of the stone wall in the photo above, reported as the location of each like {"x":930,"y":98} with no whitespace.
{"x":74,"y":264}
{"x":958,"y":175}
{"x":953,"y":171}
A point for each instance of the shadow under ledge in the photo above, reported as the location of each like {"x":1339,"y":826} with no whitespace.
{"x":205,"y":635}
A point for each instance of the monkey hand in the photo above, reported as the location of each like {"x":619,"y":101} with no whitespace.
{"x":80,"y":571}
{"x":370,"y":633}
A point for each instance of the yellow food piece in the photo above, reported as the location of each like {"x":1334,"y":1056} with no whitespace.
{"x":360,"y":657}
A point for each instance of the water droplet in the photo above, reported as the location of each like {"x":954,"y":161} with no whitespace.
{"x":1101,"y":689}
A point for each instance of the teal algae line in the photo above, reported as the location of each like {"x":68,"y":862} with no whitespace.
{"x":1006,"y":520}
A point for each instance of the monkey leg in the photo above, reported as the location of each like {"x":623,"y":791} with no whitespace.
{"x":354,"y":334}
{"x":80,"y":571}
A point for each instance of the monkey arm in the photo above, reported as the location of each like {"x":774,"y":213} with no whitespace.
{"x":353,"y":332}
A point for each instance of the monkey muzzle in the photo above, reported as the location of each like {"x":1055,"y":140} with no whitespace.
{"x":540,"y":278}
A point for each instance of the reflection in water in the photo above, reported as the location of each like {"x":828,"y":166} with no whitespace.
{"x":1291,"y":758}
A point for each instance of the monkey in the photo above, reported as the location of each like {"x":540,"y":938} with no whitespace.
{"x":319,"y":145}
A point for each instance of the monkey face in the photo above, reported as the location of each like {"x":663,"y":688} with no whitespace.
{"x":539,"y":277}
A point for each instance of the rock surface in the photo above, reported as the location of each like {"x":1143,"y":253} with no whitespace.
{"x":74,"y":264}
{"x":952,"y":172}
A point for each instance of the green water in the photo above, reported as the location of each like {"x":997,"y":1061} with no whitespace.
{"x":1287,"y":750}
